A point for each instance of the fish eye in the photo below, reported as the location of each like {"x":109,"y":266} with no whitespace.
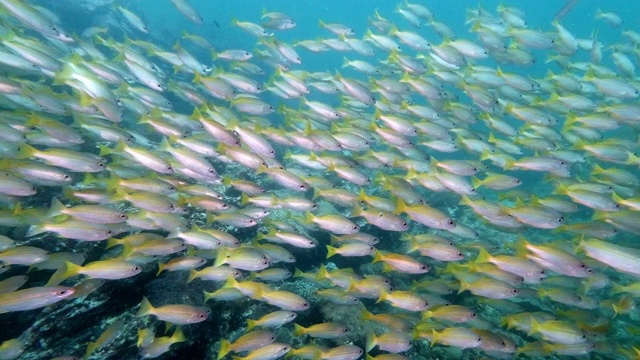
{"x":354,"y":227}
{"x":109,"y":232}
{"x":62,"y":292}
{"x":514,"y":291}
{"x":100,"y":165}
{"x":450,"y":222}
{"x":202,"y":316}
{"x":169,"y":168}
{"x":560,"y":219}
{"x":473,"y":315}
{"x":136,"y":268}
{"x":404,"y":224}
{"x":66,"y":177}
{"x":123,"y":216}
{"x":460,"y":254}
{"x":171,"y":206}
{"x":423,"y":267}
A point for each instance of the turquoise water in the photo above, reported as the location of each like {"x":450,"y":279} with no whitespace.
{"x":596,"y":318}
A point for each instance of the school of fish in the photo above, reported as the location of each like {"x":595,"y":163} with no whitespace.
{"x":434,"y":199}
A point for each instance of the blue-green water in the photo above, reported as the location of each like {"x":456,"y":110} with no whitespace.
{"x":596,"y":318}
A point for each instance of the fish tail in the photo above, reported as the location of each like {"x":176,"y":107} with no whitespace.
{"x":483,"y":256}
{"x":207,"y":296}
{"x":521,"y":247}
{"x":464,"y":285}
{"x":222,"y":254}
{"x":322,"y":273}
{"x":370,"y":342}
{"x":145,"y":307}
{"x":67,"y":270}
{"x":400,"y":207}
{"x":244,"y":199}
{"x":231,"y":282}
{"x":617,"y":288}
{"x":90,"y":348}
{"x":161,"y":268}
{"x":192,"y":275}
{"x":25,"y":151}
{"x":475,"y":182}
{"x":434,"y":337}
{"x":535,"y":326}
{"x":377,"y":257}
{"x":298,"y":330}
{"x":308,"y":218}
{"x":383,"y":296}
{"x":35,"y":230}
{"x":56,"y":208}
{"x":365,"y":314}
{"x":104,"y":150}
{"x":331,"y":251}
{"x":224,"y":348}
{"x":178,"y":335}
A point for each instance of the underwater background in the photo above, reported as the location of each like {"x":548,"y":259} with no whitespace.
{"x":191,"y":179}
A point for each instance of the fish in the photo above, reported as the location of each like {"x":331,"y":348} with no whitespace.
{"x":557,"y":331}
{"x":248,"y":342}
{"x":33,"y":298}
{"x":160,"y":345}
{"x":133,"y":19}
{"x":392,"y":342}
{"x":247,"y":162}
{"x":401,"y":263}
{"x":176,"y":314}
{"x":107,"y":337}
{"x":274,"y":319}
{"x":404,"y":300}
{"x":111,"y":269}
{"x":188,"y":11}
{"x":346,"y":352}
{"x":269,"y":352}
{"x":456,"y":336}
